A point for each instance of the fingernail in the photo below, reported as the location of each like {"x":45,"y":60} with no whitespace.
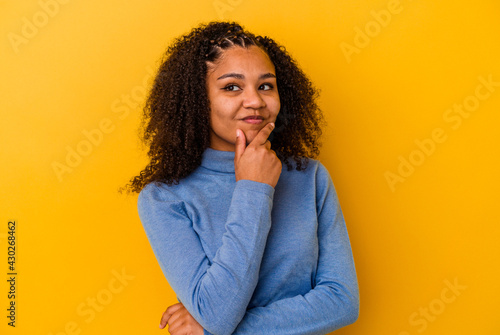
{"x":272,"y":124}
{"x":237,"y":133}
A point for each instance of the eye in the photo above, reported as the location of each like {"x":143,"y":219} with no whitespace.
{"x":266,"y":87}
{"x":231,"y":87}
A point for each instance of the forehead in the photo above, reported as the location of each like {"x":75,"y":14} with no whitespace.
{"x":243,"y":60}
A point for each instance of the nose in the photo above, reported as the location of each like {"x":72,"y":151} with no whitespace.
{"x":253,"y":99}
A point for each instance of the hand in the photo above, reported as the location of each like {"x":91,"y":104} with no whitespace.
{"x":180,"y":322}
{"x":256,"y":161}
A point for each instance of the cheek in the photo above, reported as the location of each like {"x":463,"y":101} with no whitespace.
{"x":274,"y":107}
{"x":220,"y":117}
{"x":216,"y":110}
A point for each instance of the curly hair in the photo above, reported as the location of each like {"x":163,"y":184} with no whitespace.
{"x":176,"y":116}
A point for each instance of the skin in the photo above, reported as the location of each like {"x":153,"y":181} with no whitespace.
{"x":179,"y":321}
{"x":244,"y":104}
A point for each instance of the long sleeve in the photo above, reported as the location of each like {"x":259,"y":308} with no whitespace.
{"x":334,"y":300}
{"x":216,"y":292}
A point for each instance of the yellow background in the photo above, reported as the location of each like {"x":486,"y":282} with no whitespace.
{"x":86,"y":67}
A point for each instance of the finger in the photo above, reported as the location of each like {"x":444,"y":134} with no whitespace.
{"x":240,"y":144}
{"x":164,"y":319}
{"x":168,"y":313}
{"x":178,"y":321}
{"x":263,"y":134}
{"x":174,"y":324}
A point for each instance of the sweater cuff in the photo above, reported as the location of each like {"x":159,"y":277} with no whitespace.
{"x":255,"y":186}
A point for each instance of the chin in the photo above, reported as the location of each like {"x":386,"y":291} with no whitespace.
{"x":250,"y":135}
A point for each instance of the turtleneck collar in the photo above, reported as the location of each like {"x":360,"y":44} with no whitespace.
{"x":216,"y":160}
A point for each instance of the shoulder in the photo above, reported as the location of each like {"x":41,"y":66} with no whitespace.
{"x":159,"y":203}
{"x":313,"y":168}
{"x":153,"y":190}
{"x":317,"y":174}
{"x":313,"y":179}
{"x":155,"y":193}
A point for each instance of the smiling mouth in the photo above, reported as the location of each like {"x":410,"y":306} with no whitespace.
{"x":253,"y":119}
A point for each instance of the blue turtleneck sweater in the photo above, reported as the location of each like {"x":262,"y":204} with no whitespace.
{"x":246,"y":258}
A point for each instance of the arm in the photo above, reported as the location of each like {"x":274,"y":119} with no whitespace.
{"x":334,"y":301}
{"x":217,"y":293}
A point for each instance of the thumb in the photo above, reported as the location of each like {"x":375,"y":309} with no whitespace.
{"x":240,"y":144}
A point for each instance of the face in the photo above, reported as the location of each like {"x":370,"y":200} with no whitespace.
{"x":243,"y":94}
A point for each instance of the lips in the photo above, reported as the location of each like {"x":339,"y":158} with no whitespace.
{"x":253,"y":119}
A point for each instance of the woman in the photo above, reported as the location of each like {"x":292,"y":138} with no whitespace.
{"x":244,"y":223}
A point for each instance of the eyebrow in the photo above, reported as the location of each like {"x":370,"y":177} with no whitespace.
{"x":240,"y":76}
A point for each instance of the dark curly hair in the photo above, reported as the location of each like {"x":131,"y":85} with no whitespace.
{"x":176,"y":119}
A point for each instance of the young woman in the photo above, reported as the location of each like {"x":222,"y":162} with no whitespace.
{"x":244,"y":223}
